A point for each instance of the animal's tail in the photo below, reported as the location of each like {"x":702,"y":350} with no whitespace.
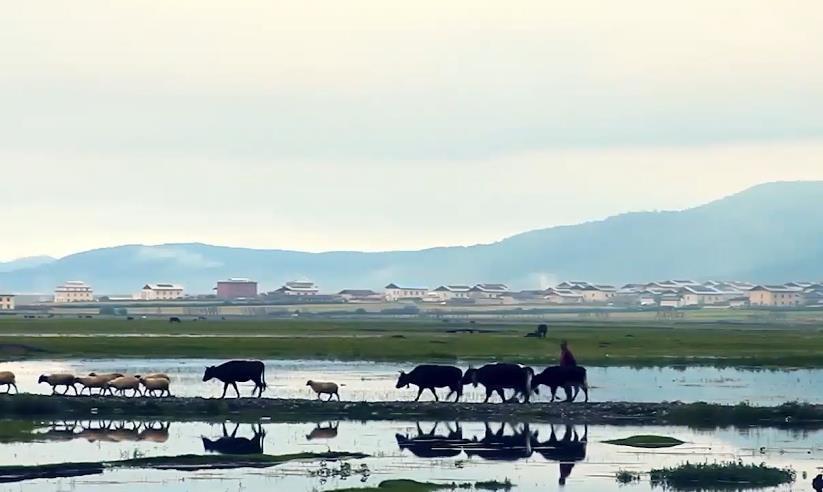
{"x":263,"y":377}
{"x":529,"y":377}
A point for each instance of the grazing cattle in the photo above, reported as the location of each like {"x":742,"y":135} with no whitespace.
{"x":432,"y":445}
{"x":498,"y":446}
{"x":238,"y":371}
{"x":430,"y":376}
{"x":323,"y":432}
{"x":175,"y":319}
{"x":568,"y":378}
{"x":542,"y":330}
{"x":231,"y":444}
{"x":501,"y":376}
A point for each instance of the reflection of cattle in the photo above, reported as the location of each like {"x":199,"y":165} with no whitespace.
{"x":230,"y":444}
{"x":432,"y":445}
{"x":568,"y":378}
{"x":501,"y":376}
{"x":323,"y":432}
{"x":431,"y":376}
{"x":498,"y":446}
{"x":566,"y":451}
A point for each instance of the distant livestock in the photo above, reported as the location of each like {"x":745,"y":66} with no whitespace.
{"x":430,"y":376}
{"x":60,"y":379}
{"x":108,"y":376}
{"x":500,"y":377}
{"x":571,"y":379}
{"x":238,"y":371}
{"x":321,"y":388}
{"x":175,"y":319}
{"x":7,"y":380}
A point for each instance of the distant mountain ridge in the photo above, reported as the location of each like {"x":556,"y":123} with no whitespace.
{"x":768,"y":233}
{"x":27,"y":262}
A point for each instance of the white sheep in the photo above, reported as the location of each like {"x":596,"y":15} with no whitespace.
{"x":7,"y":380}
{"x":124,"y":383}
{"x":153,"y":384}
{"x":324,"y":388}
{"x":157,"y":375}
{"x":89,"y":382}
{"x":59,"y":379}
{"x":108,"y":377}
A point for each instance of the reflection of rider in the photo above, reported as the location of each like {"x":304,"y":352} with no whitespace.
{"x":565,"y":471}
{"x":566,"y":357}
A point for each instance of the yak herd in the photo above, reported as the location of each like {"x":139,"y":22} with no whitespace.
{"x":495,"y":378}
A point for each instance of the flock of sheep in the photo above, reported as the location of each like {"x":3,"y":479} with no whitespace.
{"x":156,"y":384}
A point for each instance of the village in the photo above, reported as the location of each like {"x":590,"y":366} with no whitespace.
{"x":663,"y":295}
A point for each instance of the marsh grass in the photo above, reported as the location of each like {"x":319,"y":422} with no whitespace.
{"x":720,"y":476}
{"x":612,"y":343}
{"x":646,"y":441}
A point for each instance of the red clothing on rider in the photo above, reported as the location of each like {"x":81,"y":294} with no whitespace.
{"x":566,"y":357}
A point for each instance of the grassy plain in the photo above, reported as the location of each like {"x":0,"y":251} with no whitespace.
{"x":647,"y":343}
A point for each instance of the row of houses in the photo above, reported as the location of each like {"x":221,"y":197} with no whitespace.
{"x":685,"y":293}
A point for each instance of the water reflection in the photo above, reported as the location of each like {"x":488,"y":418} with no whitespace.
{"x":321,"y":431}
{"x":231,"y":444}
{"x":106,"y":431}
{"x":535,"y":457}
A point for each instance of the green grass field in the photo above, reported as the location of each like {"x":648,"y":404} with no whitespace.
{"x":605,"y":343}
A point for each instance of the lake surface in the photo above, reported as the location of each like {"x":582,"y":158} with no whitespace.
{"x":374,"y":381}
{"x":534,"y":457}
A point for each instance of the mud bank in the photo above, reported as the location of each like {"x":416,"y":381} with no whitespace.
{"x":300,"y":410}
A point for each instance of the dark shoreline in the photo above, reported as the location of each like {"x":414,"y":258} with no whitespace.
{"x":789,"y":415}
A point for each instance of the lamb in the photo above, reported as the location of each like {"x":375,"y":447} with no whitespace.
{"x":7,"y":380}
{"x":124,"y":383}
{"x":59,"y":379}
{"x":324,"y":388}
{"x":153,"y":384}
{"x":89,"y":382}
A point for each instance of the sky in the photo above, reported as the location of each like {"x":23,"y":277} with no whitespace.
{"x":374,"y":125}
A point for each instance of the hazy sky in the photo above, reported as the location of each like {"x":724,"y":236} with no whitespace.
{"x":390,"y":125}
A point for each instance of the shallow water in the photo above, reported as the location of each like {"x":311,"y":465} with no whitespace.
{"x":532,"y":464}
{"x":374,"y":381}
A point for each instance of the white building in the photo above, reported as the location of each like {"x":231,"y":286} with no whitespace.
{"x":161,"y":292}
{"x":73,"y":291}
{"x":489,"y":291}
{"x":6,"y":302}
{"x":700,"y":295}
{"x":563,"y":296}
{"x":451,"y":292}
{"x":394,"y":293}
{"x":298,"y":288}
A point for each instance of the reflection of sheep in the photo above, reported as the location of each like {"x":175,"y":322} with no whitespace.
{"x":89,"y":382}
{"x":7,"y":380}
{"x":124,"y":383}
{"x":324,"y":388}
{"x":153,"y":384}
{"x":55,"y":380}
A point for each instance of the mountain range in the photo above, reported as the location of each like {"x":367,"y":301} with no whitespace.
{"x":768,"y":233}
